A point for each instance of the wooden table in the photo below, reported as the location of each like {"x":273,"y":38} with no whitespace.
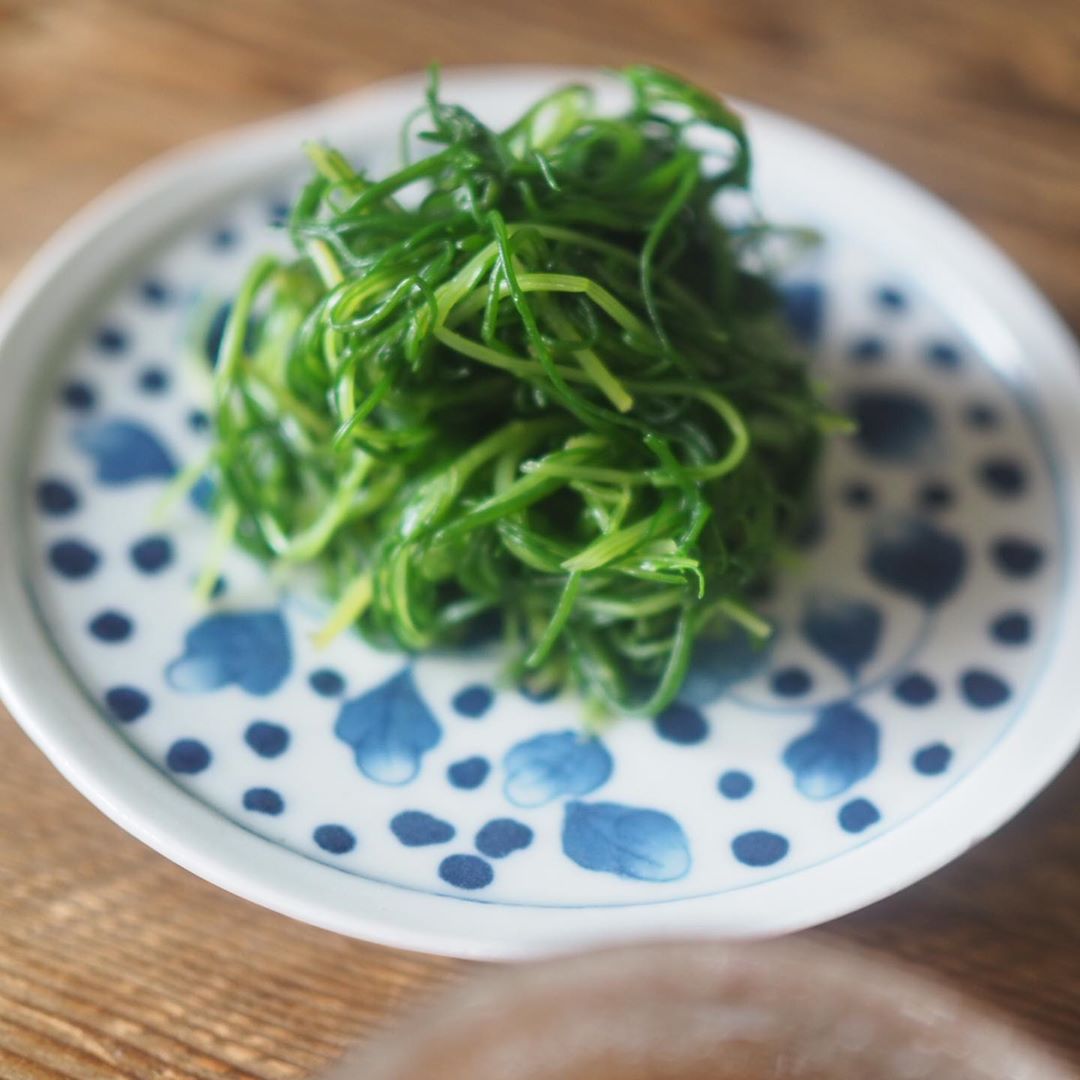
{"x":113,"y":962}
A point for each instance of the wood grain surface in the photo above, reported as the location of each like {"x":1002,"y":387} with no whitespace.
{"x":113,"y":962}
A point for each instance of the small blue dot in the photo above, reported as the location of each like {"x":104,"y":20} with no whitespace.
{"x":473,"y":701}
{"x":735,"y":784}
{"x":466,"y":871}
{"x":943,"y":355}
{"x":267,"y":739}
{"x":334,"y":838}
{"x":932,"y":760}
{"x":935,"y":495}
{"x":78,"y":396}
{"x":981,"y":416}
{"x":203,"y":492}
{"x":187,"y":756}
{"x":56,"y":498}
{"x":984,"y":689}
{"x":223,"y":237}
{"x":915,"y":689}
{"x":502,"y":837}
{"x":791,"y":682}
{"x":1003,"y":477}
{"x":111,"y":627}
{"x":682,"y":724}
{"x":760,"y":848}
{"x":111,"y":340}
{"x":891,"y":298}
{"x":152,"y":553}
{"x":868,"y":350}
{"x":220,"y":585}
{"x":1015,"y":557}
{"x":414,"y":828}
{"x":469,"y":773}
{"x":127,"y":703}
{"x":326,"y":682}
{"x":1011,"y":628}
{"x":73,"y":559}
{"x":198,"y":420}
{"x":858,"y":495}
{"x":154,"y":291}
{"x":153,"y":380}
{"x":263,"y":800}
{"x":278,"y":212}
{"x":857,"y":815}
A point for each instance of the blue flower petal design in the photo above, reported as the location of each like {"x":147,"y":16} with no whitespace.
{"x":840,"y":750}
{"x":549,"y":766}
{"x":390,"y":729}
{"x":718,"y":663}
{"x":629,"y":841}
{"x":250,"y":649}
{"x":916,"y":558}
{"x":124,"y":452}
{"x":847,"y":631}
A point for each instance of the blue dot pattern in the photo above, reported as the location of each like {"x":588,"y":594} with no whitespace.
{"x":78,"y":396}
{"x":414,"y":828}
{"x":944,"y":355}
{"x":1003,"y":477}
{"x":264,"y":800}
{"x":223,"y":237}
{"x":858,"y":495}
{"x":473,"y":701}
{"x":981,"y":416}
{"x":932,"y":760}
{"x":466,"y":872}
{"x":984,"y":689}
{"x":1016,"y":557}
{"x":891,"y":298}
{"x":73,"y":559}
{"x":469,"y":773}
{"x":153,"y":380}
{"x":188,"y":756}
{"x":936,"y":495}
{"x":127,"y":703}
{"x":152,"y":554}
{"x":198,"y":420}
{"x":916,"y":689}
{"x":1011,"y":628}
{"x":326,"y":682}
{"x":335,"y":839}
{"x":154,"y":291}
{"x":857,"y":815}
{"x":56,"y":498}
{"x":682,"y":724}
{"x":791,"y":682}
{"x":111,"y":627}
{"x":760,"y":847}
{"x":868,"y":350}
{"x":111,"y":340}
{"x":267,"y":739}
{"x":502,"y":837}
{"x":735,"y":784}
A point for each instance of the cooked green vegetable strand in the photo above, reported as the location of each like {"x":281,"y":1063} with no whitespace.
{"x":551,"y":388}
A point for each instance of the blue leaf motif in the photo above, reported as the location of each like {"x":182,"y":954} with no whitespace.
{"x":248,"y":648}
{"x":718,"y":663}
{"x":123,"y":452}
{"x":549,"y":766}
{"x":390,"y":729}
{"x":846,"y":631}
{"x":629,"y":841}
{"x":839,"y":751}
{"x":917,"y":559}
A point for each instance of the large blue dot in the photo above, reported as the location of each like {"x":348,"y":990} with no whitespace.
{"x":984,"y":689}
{"x":334,"y":838}
{"x":153,"y":380}
{"x":326,"y":682}
{"x":152,"y":553}
{"x":1003,"y":477}
{"x":735,"y":784}
{"x":111,"y":340}
{"x":760,"y":847}
{"x":56,"y":498}
{"x":1016,"y":557}
{"x":263,"y":800}
{"x":267,"y":739}
{"x":932,"y":760}
{"x":414,"y":828}
{"x":682,"y":724}
{"x":503,"y":836}
{"x":473,"y":701}
{"x":78,"y":396}
{"x":916,"y":688}
{"x":857,"y":815}
{"x":187,"y":756}
{"x":791,"y":681}
{"x":127,"y":703}
{"x":1011,"y":628}
{"x":466,"y":871}
{"x":111,"y":627}
{"x":943,"y":355}
{"x":469,"y":773}
{"x":868,"y":349}
{"x":73,"y":559}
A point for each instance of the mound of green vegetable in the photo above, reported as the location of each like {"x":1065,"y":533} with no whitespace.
{"x":549,"y":388}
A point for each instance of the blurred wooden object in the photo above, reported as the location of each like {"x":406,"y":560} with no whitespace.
{"x":113,"y":962}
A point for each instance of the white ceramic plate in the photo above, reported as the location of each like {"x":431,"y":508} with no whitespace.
{"x":921,"y":689}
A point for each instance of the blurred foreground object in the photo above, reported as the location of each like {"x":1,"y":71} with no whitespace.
{"x":695,"y":1010}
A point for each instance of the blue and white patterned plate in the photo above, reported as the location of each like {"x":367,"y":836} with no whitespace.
{"x":921,"y":687}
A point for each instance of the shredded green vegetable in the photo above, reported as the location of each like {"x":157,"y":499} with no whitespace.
{"x":549,"y":388}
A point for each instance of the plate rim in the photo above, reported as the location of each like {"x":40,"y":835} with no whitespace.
{"x":128,"y":789}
